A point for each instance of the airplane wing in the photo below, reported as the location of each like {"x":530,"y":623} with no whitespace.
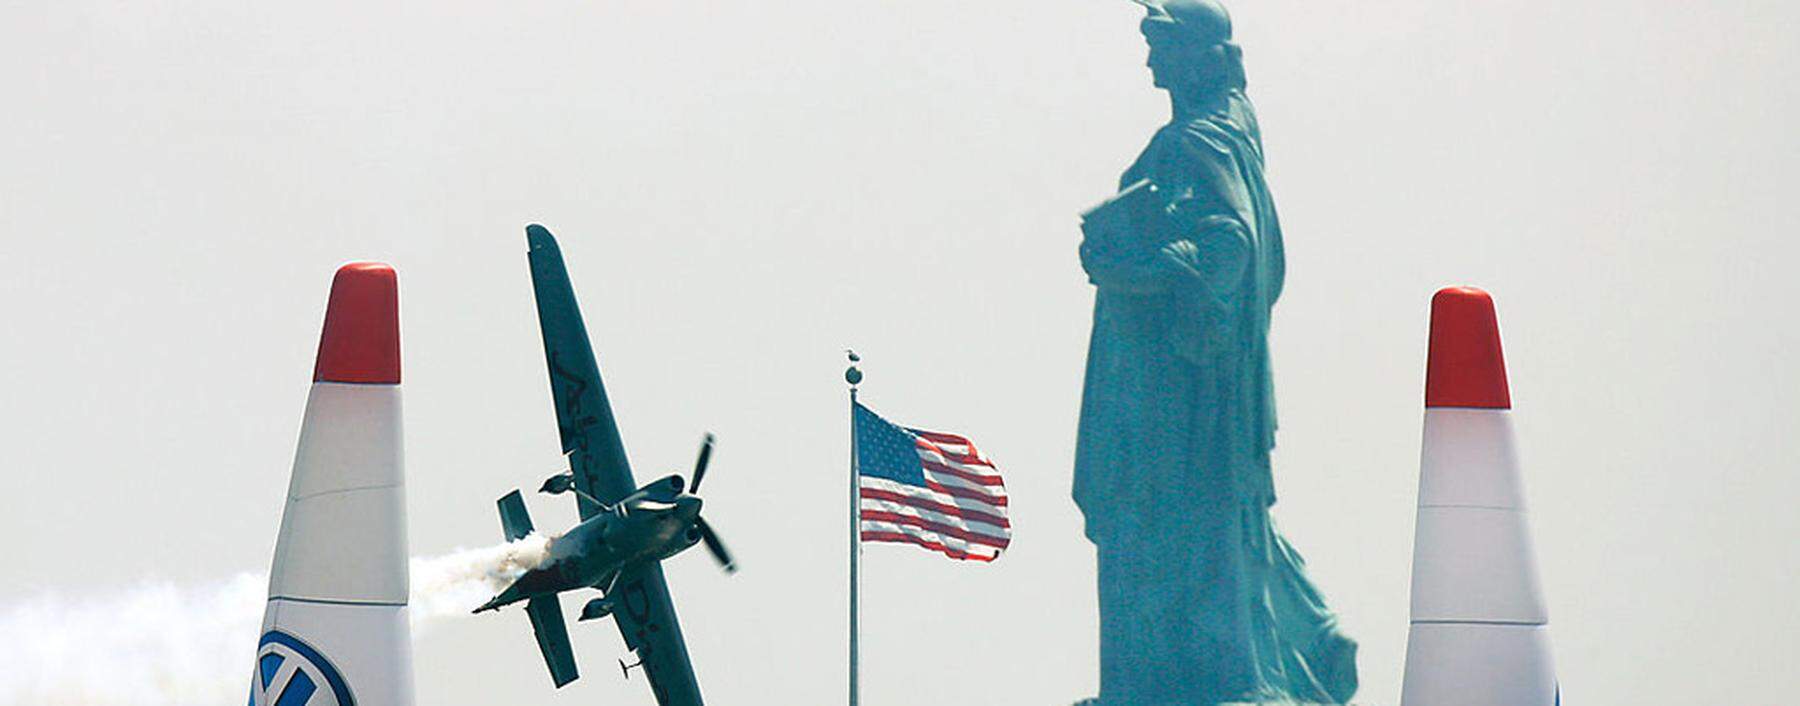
{"x":590,"y":435}
{"x":646,"y":618}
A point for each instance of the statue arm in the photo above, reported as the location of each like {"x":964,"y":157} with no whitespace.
{"x":1199,"y":248}
{"x":1214,"y":254}
{"x":1130,"y":276}
{"x":1212,"y":248}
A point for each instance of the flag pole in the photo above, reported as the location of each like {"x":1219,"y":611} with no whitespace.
{"x":853,"y":375}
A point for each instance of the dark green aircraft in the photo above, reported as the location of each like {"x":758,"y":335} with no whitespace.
{"x":625,"y":531}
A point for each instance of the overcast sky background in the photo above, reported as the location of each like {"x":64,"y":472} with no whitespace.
{"x":744,"y":189}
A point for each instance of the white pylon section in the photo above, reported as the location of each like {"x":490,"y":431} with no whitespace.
{"x":335,"y":631}
{"x":1479,"y":633}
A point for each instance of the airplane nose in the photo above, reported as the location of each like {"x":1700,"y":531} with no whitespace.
{"x":688,"y":506}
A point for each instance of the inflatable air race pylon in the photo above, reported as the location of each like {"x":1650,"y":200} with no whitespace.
{"x":335,"y":630}
{"x":1480,"y":631}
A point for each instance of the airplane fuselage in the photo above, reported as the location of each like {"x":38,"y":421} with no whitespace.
{"x":591,"y":553}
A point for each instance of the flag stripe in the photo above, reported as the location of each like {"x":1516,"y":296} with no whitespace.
{"x":996,"y":500}
{"x":970,"y":458}
{"x":970,"y":468}
{"x":938,"y":527}
{"x":933,"y":537}
{"x":942,"y":439}
{"x":918,"y":493}
{"x":872,"y":536}
{"x":981,"y":527}
{"x":968,"y":513}
{"x":991,"y":480}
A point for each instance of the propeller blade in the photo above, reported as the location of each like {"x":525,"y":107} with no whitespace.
{"x":715,"y":546}
{"x":700,"y":463}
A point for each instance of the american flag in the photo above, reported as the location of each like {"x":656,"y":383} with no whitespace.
{"x":928,"y":488}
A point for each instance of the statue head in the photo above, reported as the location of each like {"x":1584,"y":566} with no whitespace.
{"x":1191,"y":52}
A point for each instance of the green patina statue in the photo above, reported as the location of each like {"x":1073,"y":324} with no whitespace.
{"x":1201,"y":599}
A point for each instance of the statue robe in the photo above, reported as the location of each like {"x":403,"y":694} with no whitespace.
{"x":1201,"y":599}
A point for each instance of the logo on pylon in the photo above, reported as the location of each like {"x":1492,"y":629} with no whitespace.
{"x":290,"y":672}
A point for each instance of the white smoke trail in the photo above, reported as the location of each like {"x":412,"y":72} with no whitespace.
{"x":155,"y":643}
{"x":455,"y":583}
{"x":159,"y":644}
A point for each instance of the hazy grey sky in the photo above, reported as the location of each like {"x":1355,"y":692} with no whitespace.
{"x":744,"y":189}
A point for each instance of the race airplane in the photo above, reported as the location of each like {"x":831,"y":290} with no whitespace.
{"x":625,"y":531}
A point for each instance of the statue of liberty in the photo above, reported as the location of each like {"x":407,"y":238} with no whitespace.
{"x":1201,"y":599}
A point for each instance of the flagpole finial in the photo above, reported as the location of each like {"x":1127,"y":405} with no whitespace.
{"x":852,"y":374}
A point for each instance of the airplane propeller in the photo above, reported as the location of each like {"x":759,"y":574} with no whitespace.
{"x":707,"y":535}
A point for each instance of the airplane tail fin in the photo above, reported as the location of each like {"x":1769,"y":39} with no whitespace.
{"x":545,"y":610}
{"x":1480,"y":629}
{"x":515,"y":521}
{"x":335,"y":629}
